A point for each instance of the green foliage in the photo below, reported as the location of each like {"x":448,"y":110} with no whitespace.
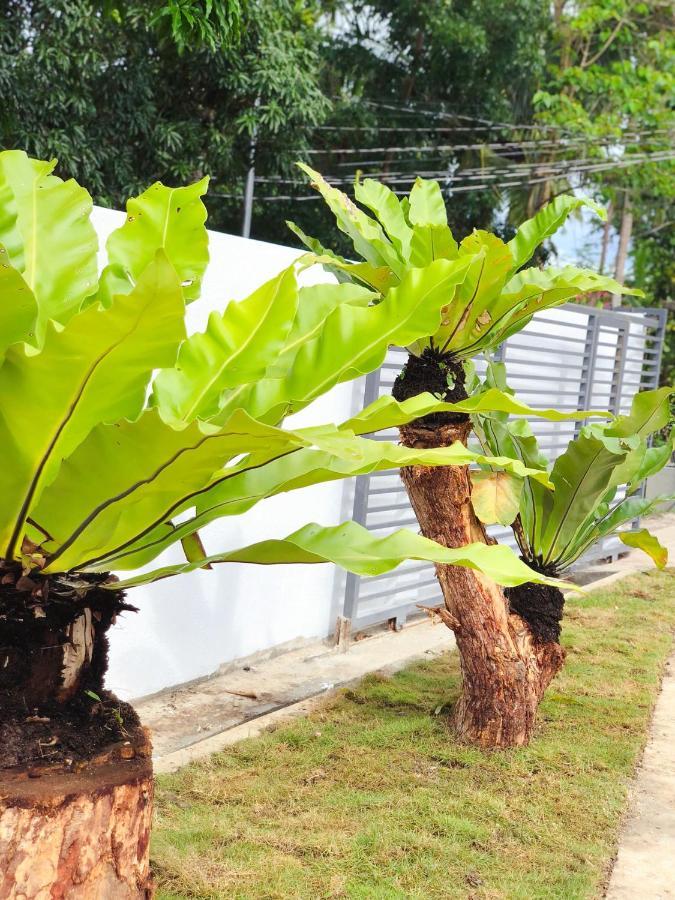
{"x":94,"y":471}
{"x":493,"y":300}
{"x":610,"y":83}
{"x":555,"y":528}
{"x":358,"y":550}
{"x":128,"y":93}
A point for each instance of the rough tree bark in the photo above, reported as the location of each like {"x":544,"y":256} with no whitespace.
{"x":75,"y":766}
{"x":505,"y":667}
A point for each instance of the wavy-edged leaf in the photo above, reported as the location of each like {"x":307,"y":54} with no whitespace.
{"x":384,"y":203}
{"x":430,"y":242}
{"x":353,"y":341}
{"x":378,"y":278}
{"x":315,"y":246}
{"x":533,"y":290}
{"x":650,"y":411}
{"x":235,"y":349}
{"x":161,"y":218}
{"x":18,"y":309}
{"x":628,"y":509}
{"x":426,"y":204}
{"x":653,"y":460}
{"x":495,"y":496}
{"x":644,"y":540}
{"x":368,"y":237}
{"x":514,"y":438}
{"x":46,"y":232}
{"x":131,"y":476}
{"x":235,"y":492}
{"x":545,"y":223}
{"x":385,"y":412}
{"x":581,"y":476}
{"x":94,"y":369}
{"x":357,"y":550}
{"x":475,"y":307}
{"x":315,"y":304}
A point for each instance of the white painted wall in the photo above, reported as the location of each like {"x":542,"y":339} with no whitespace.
{"x":187,"y":626}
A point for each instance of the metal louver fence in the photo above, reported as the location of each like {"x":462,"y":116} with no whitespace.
{"x":572,"y":357}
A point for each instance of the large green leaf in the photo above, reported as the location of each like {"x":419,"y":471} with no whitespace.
{"x":653,"y":460}
{"x":161,"y":218}
{"x":235,"y":492}
{"x":379,"y":278}
{"x":533,"y":290}
{"x":315,"y":304}
{"x":581,"y":476}
{"x":648,"y":543}
{"x":368,"y":237}
{"x":354,"y":548}
{"x":46,"y":232}
{"x":628,"y":509}
{"x":95,"y":369}
{"x":382,"y":201}
{"x":472,"y":312}
{"x":354,"y":341}
{"x":544,"y":224}
{"x":130,"y":476}
{"x":385,"y":412}
{"x":495,"y":496}
{"x":426,"y":204}
{"x":18,"y":309}
{"x":236,"y":348}
{"x":650,"y":411}
{"x":430,"y":242}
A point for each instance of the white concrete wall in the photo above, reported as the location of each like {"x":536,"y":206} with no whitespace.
{"x":188,"y":626}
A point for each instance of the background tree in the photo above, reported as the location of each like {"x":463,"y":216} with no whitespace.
{"x":611,"y":84}
{"x":127,"y":93}
{"x":424,"y":77}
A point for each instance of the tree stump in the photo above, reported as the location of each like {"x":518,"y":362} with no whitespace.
{"x":84,"y":835}
{"x":75,"y":764}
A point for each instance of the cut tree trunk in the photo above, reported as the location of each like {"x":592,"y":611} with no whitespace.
{"x":78,"y":835}
{"x":75,"y":764}
{"x":505,"y":667}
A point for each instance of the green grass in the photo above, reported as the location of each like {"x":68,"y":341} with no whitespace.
{"x":372,"y":798}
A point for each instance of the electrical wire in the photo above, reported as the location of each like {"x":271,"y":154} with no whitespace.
{"x":468,"y":173}
{"x":494,"y":145}
{"x":518,"y":182}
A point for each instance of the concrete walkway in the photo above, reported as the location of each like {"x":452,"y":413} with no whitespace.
{"x":249,"y":696}
{"x":645,"y":864}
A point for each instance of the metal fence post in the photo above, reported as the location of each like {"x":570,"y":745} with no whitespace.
{"x":343,"y":627}
{"x":588,"y":366}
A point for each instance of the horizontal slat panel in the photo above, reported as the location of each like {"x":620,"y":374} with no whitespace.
{"x":547,"y":369}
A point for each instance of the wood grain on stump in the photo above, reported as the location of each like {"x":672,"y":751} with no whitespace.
{"x":78,"y":835}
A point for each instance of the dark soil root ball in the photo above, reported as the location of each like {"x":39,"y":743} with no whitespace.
{"x":45,"y":625}
{"x":438,"y":374}
{"x":541,"y":605}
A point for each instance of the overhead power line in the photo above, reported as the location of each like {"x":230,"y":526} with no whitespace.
{"x":474,"y":173}
{"x":492,"y":145}
{"x":489,"y":180}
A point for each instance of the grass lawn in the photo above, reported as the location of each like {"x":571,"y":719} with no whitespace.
{"x":372,"y":797}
